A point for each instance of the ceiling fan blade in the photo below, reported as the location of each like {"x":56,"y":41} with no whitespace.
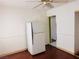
{"x":52,"y":1}
{"x":49,"y":5}
{"x":37,"y":5}
{"x":63,"y":1}
{"x":32,"y":1}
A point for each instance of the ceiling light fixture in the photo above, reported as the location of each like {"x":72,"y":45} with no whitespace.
{"x":44,"y":2}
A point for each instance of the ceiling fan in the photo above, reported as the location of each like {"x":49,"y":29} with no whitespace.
{"x":48,"y":3}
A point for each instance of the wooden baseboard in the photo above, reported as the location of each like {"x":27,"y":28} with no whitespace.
{"x":66,"y":50}
{"x":14,"y":52}
{"x":63,"y":49}
{"x":77,"y":52}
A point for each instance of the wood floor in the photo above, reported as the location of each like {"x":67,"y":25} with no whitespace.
{"x":50,"y":53}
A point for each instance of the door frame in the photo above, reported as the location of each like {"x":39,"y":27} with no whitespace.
{"x":50,"y":41}
{"x":49,"y":29}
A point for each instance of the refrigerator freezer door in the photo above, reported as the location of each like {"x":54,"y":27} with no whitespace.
{"x":38,"y":27}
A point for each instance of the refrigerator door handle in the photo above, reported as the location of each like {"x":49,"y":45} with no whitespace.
{"x":38,"y":32}
{"x":32,"y":33}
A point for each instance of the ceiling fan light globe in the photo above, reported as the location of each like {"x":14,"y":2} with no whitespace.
{"x":44,"y":2}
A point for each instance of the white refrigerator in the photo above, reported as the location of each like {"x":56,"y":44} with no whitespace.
{"x":35,"y":37}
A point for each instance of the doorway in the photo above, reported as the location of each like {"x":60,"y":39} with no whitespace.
{"x":53,"y":30}
{"x":77,"y":33}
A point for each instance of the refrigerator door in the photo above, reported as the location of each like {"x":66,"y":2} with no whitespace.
{"x":29,"y":36}
{"x":39,"y":43}
{"x":38,"y":27}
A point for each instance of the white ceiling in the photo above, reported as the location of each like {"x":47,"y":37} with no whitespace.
{"x":26,"y":3}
